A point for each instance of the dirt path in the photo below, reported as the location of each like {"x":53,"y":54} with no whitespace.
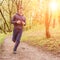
{"x":25,"y":52}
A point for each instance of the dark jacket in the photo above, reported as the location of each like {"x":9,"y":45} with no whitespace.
{"x":17,"y":17}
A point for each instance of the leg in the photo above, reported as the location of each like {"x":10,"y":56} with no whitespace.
{"x":18,"y":40}
{"x":14,"y":35}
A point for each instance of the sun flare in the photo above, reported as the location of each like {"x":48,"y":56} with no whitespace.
{"x":53,"y":5}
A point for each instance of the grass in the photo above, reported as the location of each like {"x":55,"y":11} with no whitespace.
{"x":36,"y":37}
{"x":2,"y":36}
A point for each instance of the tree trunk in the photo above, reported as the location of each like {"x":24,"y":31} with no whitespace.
{"x":4,"y":27}
{"x":10,"y":23}
{"x":54,"y":23}
{"x":3,"y":30}
{"x":47,"y":32}
{"x":47,"y":25}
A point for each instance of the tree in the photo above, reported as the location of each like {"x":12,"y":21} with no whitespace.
{"x":47,"y":21}
{"x":47,"y":25}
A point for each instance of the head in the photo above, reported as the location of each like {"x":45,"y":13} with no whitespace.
{"x":20,"y":11}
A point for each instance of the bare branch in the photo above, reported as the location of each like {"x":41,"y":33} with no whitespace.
{"x":4,"y":19}
{"x":5,"y":10}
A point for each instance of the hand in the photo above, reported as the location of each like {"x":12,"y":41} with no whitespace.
{"x":23,"y":23}
{"x":18,"y":22}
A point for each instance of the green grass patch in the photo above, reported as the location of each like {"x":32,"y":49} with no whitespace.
{"x":2,"y":36}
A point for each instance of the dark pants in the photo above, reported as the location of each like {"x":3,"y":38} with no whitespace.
{"x":17,"y":33}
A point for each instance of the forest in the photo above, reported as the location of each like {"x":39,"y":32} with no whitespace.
{"x":37,"y":12}
{"x":42,"y":28}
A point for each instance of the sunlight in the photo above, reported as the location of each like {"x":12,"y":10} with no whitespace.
{"x":53,"y":5}
{"x":1,"y":0}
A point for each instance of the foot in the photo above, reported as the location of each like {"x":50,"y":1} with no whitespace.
{"x":13,"y":41}
{"x":14,"y":52}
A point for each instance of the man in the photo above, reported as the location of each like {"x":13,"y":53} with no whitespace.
{"x":18,"y":21}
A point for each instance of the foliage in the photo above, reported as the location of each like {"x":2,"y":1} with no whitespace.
{"x":37,"y":12}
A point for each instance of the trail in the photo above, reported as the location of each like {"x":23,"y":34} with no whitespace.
{"x":24,"y":52}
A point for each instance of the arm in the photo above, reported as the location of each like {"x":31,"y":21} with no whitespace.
{"x":24,"y":21}
{"x":13,"y":20}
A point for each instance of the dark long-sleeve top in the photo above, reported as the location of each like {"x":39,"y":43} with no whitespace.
{"x":17,"y":17}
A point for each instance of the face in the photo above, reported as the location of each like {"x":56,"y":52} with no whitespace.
{"x":20,"y":11}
